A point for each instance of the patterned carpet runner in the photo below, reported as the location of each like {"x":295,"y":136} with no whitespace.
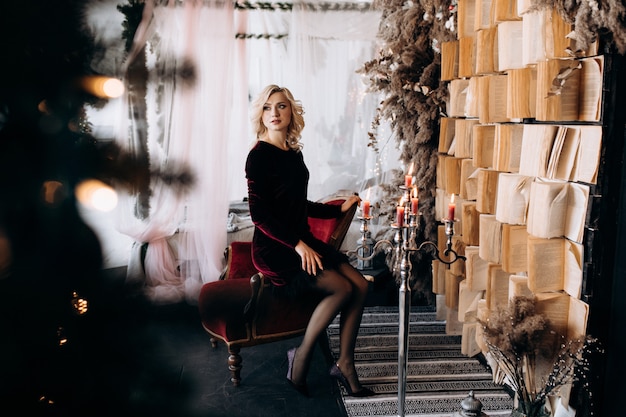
{"x":439,"y":376}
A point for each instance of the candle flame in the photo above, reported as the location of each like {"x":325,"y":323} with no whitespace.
{"x":452,"y":199}
{"x":414,"y":192}
{"x":411,"y":169}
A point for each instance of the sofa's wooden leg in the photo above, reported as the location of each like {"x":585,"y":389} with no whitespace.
{"x":234,"y":364}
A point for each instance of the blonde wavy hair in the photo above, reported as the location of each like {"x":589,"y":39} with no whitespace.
{"x":297,"y":111}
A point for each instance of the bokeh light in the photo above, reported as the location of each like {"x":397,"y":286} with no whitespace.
{"x":95,"y":194}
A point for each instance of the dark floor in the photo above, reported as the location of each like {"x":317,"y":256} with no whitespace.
{"x":128,"y":357}
{"x":187,"y":363}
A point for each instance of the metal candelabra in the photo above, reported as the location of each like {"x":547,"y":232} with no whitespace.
{"x":404,"y":243}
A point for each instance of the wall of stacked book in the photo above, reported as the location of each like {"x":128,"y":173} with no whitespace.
{"x":520,"y":150}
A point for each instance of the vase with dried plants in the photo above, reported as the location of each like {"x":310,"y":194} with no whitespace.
{"x":528,"y":356}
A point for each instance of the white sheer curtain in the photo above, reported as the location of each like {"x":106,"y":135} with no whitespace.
{"x":188,"y":50}
{"x":326,"y":48}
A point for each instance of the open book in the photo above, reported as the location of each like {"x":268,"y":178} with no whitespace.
{"x":497,"y":294}
{"x":483,"y":145}
{"x":557,"y":208}
{"x":514,"y":248}
{"x":475,"y":269}
{"x":492,"y":98}
{"x":522,"y":93}
{"x":555,"y":265}
{"x":512,"y":197}
{"x":487,"y":50}
{"x":544,"y":36}
{"x":570,"y":153}
{"x":567,"y":314}
{"x":490,"y":238}
{"x":449,"y":60}
{"x":569,"y":89}
{"x":507,"y":148}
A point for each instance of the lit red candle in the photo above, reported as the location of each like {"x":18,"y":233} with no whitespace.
{"x":400,"y":213}
{"x":414,"y":201}
{"x":366,"y":208}
{"x":408,"y":178}
{"x":451,"y":207}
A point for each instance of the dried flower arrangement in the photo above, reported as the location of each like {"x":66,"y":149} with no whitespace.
{"x":407,"y":72}
{"x":530,"y":358}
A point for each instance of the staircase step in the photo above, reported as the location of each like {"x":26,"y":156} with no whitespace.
{"x":495,"y":403}
{"x":432,"y":327}
{"x":390,"y":342}
{"x":438,"y":375}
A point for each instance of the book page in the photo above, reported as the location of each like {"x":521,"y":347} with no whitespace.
{"x":558,"y":88}
{"x":504,"y":10}
{"x":577,"y":318}
{"x":449,"y":60}
{"x":547,"y":208}
{"x":482,"y":14}
{"x":514,"y":248}
{"x":588,"y":157}
{"x":458,"y":96}
{"x":590,"y":103}
{"x":487,"y":51}
{"x":577,"y":201}
{"x":497,"y":294}
{"x":555,"y":153}
{"x":518,"y":286}
{"x":556,"y":307}
{"x":467,"y":56}
{"x":446,"y":133}
{"x":537,"y":143}
{"x":471,"y":223}
{"x":468,"y":189}
{"x":453,"y":174}
{"x":566,"y":161}
{"x":472,"y":108}
{"x":487,"y":189}
{"x":522,"y":93}
{"x":533,"y":37}
{"x":483,"y":142}
{"x":556,"y":29}
{"x":510,"y":41}
{"x":573,"y":268}
{"x":545,"y":264}
{"x":464,"y":146}
{"x":512,"y":198}
{"x":466,"y":13}
{"x":508,"y":147}
{"x":490,"y":238}
{"x":471,"y":185}
{"x":475,"y":269}
{"x":467,"y":299}
{"x":497,"y":100}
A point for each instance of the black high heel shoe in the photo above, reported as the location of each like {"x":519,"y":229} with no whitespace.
{"x":301,"y":388}
{"x":336,"y":373}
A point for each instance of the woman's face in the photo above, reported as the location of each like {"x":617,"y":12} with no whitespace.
{"x":277,"y":112}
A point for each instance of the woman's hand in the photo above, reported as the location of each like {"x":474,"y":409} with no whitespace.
{"x":311,"y":260}
{"x":349,"y":202}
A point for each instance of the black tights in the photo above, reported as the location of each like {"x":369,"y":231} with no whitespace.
{"x":346,"y":288}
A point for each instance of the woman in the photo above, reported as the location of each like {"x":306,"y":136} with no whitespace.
{"x":283,"y":248}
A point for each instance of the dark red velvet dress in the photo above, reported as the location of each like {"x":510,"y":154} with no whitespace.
{"x":277,"y":193}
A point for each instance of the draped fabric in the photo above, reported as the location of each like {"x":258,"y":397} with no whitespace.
{"x":202,"y":120}
{"x":188,"y":94}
